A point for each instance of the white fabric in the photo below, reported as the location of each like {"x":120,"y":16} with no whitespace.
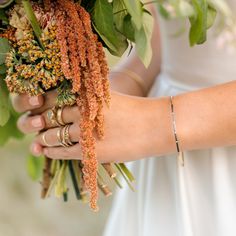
{"x":199,"y":199}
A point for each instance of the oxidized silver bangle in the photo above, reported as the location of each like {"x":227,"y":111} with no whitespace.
{"x":180,"y":153}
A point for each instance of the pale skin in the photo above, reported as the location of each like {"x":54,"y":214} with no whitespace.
{"x":138,"y":127}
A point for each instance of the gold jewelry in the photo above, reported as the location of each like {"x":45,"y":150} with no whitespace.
{"x":131,"y":74}
{"x":45,"y":141}
{"x":67,"y":135}
{"x":59,"y":137}
{"x":63,"y":132}
{"x":180,"y":153}
{"x":51,"y":114}
{"x":59,"y":116}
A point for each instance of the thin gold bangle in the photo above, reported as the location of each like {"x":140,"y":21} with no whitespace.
{"x":135,"y":77}
{"x":180,"y":152}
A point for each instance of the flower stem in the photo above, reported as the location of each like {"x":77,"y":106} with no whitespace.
{"x":33,"y":20}
{"x":74,"y":180}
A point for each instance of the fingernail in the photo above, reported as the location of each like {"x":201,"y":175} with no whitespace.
{"x":34,"y":101}
{"x":37,"y":122}
{"x":36,"y":149}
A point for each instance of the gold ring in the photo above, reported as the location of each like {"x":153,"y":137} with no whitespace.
{"x":63,"y":131}
{"x":45,"y":141}
{"x":59,"y":116}
{"x":59,"y":137}
{"x":67,"y":135}
{"x":51,"y":114}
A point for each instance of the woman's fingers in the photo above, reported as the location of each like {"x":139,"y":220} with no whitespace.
{"x":51,"y":137}
{"x":36,"y":104}
{"x":73,"y":152}
{"x":65,"y":115}
{"x":23,"y":103}
{"x":36,"y":149}
{"x":30,"y":124}
{"x":49,"y":101}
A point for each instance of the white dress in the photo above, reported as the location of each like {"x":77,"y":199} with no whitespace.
{"x":198,"y":199}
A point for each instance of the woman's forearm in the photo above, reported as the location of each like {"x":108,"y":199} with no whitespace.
{"x":205,"y":118}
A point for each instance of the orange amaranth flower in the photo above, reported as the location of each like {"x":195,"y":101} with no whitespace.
{"x":61,"y":37}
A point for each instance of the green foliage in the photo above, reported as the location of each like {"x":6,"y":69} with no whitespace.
{"x":4,"y":103}
{"x":34,"y":166}
{"x":197,"y":34}
{"x":33,"y":20}
{"x":135,"y":10}
{"x":211,"y":16}
{"x":143,"y":39}
{"x":8,"y":117}
{"x":104,"y":24}
{"x":9,"y":130}
{"x":4,"y":48}
{"x":3,"y":69}
{"x":120,"y":21}
{"x":3,"y":16}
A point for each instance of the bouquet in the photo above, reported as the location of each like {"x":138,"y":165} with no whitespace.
{"x":59,"y":45}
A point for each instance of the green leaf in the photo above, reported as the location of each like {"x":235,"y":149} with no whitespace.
{"x":3,"y":16}
{"x":104,"y":24}
{"x":128,"y":29}
{"x":9,"y":130}
{"x":34,"y":166}
{"x":198,"y":22}
{"x":211,"y":16}
{"x":122,"y":20}
{"x":164,"y":13}
{"x":119,"y":14}
{"x":4,"y":103}
{"x":134,"y":7}
{"x":127,"y":172}
{"x":3,"y":69}
{"x":143,"y":39}
{"x":33,"y":20}
{"x":4,"y":48}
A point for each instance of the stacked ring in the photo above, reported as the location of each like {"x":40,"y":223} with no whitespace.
{"x":63,"y":136}
{"x":55,"y":116}
{"x":67,"y":135}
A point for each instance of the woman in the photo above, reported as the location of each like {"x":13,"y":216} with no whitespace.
{"x":197,"y":199}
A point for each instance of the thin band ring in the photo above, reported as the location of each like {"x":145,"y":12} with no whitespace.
{"x":59,"y":116}
{"x":59,"y":137}
{"x":67,"y":135}
{"x":45,"y":141}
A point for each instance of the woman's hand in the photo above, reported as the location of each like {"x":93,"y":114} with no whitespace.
{"x":128,"y":128}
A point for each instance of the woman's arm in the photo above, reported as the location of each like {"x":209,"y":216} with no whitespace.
{"x":121,"y":82}
{"x":205,"y":118}
{"x":138,"y":127}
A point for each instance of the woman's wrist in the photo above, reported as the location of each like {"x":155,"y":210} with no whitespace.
{"x":160,"y":139}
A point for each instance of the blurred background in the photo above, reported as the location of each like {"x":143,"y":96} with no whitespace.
{"x":24,"y":213}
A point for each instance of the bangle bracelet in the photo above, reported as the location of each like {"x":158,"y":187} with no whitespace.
{"x":180,"y":153}
{"x":135,"y":77}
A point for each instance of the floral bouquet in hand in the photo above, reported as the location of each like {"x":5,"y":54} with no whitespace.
{"x":53,"y":45}
{"x":59,"y":45}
